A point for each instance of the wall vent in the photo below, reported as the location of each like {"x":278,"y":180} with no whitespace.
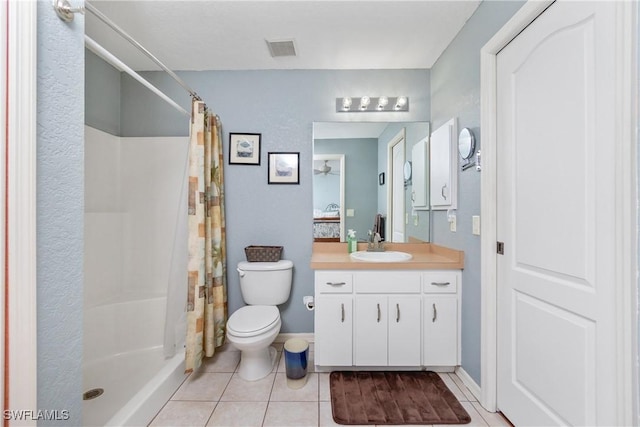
{"x":279,"y":48}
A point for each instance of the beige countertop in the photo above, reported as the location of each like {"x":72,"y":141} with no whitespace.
{"x":426,"y":256}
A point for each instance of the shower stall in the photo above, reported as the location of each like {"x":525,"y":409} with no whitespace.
{"x":135,"y":274}
{"x":135,"y":255}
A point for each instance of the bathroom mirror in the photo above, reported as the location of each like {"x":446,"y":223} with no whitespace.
{"x":364,"y":148}
{"x":466,"y":147}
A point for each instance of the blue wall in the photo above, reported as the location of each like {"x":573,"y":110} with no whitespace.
{"x":281,"y":105}
{"x":60,"y":213}
{"x":455,"y":92}
{"x":102,"y":95}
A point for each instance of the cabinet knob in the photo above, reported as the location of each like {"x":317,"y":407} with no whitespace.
{"x":435,"y":313}
{"x":342,"y":308}
{"x":442,"y":191}
{"x":378,"y":312}
{"x":397,"y":313}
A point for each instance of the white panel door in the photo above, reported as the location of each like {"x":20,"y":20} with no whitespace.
{"x":556,"y":199}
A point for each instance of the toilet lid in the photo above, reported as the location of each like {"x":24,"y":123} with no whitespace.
{"x":283,"y":264}
{"x":252,"y":319}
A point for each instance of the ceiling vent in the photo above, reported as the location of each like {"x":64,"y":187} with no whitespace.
{"x":281,"y":48}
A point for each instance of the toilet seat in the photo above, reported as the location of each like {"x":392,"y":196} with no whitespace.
{"x":252,"y":320}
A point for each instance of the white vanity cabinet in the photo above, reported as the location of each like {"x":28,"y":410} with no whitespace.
{"x":441,"y":310}
{"x":375,"y":318}
{"x":387,"y":318}
{"x":387,"y":330}
{"x":334,"y":318}
{"x":405,"y":313}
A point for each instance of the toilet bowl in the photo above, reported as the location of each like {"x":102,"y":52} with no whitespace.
{"x":252,"y":328}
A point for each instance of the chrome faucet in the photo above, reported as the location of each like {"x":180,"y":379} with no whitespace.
{"x":374,"y":243}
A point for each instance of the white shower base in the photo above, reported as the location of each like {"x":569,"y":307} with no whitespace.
{"x":138,"y":383}
{"x":124,"y":356}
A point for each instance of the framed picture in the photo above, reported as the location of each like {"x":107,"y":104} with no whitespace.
{"x":244,"y":148}
{"x":284,"y":168}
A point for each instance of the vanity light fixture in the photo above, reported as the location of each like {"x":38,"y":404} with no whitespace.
{"x":370,"y":104}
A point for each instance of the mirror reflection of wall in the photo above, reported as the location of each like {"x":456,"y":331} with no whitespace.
{"x":364,"y":146}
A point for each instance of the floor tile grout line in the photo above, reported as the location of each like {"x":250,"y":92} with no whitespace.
{"x":170,"y":398}
{"x":318,"y":401}
{"x":225,"y":389}
{"x":277,"y":362}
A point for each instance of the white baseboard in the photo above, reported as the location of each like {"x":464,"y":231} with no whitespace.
{"x":309,"y":337}
{"x":473,"y":387}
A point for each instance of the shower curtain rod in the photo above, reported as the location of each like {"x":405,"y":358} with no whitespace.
{"x":110,"y":58}
{"x":65,"y":12}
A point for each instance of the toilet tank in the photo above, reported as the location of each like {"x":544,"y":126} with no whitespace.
{"x":265,"y":283}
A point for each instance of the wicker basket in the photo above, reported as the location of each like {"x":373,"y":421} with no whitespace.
{"x":263,"y":253}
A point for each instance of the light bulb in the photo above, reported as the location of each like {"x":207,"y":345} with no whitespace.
{"x":364,"y":102}
{"x":346,"y":103}
{"x":401,"y":102}
{"x":382,"y":102}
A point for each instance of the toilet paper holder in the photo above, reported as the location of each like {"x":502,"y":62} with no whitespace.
{"x":308,"y":302}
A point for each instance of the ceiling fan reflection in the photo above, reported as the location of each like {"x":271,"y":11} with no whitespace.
{"x":325,"y":170}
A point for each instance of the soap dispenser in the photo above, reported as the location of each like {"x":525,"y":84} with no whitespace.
{"x":352,"y":242}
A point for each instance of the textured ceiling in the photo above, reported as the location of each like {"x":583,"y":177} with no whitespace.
{"x":230,"y":35}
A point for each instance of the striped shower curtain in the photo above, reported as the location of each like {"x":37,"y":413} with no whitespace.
{"x":207,"y":272}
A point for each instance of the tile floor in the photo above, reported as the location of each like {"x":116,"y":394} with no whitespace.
{"x":216,"y":396}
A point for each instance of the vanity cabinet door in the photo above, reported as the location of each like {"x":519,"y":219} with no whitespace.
{"x":440,"y":330}
{"x":370,"y":343}
{"x":404,"y":330}
{"x":334,"y":330}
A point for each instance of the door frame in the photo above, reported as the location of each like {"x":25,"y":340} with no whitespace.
{"x":18,"y":68}
{"x":401,"y":136}
{"x":626,"y":369}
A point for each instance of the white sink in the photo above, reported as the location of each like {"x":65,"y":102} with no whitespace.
{"x":387,"y":256}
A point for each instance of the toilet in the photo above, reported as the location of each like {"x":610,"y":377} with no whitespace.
{"x":252,"y":328}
